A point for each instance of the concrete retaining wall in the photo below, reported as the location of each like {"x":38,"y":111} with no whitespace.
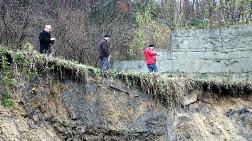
{"x":217,"y":51}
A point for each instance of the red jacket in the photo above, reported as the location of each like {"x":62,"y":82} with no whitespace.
{"x":150,"y":56}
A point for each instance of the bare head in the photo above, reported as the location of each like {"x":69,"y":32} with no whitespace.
{"x":48,"y":28}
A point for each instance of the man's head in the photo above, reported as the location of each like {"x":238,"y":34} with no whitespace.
{"x":151,"y":46}
{"x":48,"y":28}
{"x":106,"y":37}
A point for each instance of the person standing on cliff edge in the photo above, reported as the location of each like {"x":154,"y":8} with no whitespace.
{"x":104,"y":53}
{"x":151,"y":59}
{"x":46,"y":41}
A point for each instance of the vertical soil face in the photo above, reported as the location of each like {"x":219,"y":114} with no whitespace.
{"x":107,"y":109}
{"x":211,"y":118}
{"x":90,"y":110}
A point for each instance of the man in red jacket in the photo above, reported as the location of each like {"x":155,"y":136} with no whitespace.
{"x":150,"y":55}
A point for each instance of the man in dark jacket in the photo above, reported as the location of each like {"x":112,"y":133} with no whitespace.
{"x":104,"y":53}
{"x":46,"y":41}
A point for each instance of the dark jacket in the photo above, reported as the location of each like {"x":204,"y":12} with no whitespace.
{"x":44,"y":39}
{"x":104,"y":49}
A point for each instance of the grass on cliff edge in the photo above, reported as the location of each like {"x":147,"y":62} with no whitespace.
{"x":166,"y":89}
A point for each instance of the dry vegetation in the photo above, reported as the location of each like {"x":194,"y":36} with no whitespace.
{"x":166,"y":89}
{"x":79,"y":25}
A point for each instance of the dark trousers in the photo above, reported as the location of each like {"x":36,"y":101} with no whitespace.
{"x":45,"y":50}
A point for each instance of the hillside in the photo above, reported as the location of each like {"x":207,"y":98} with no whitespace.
{"x":64,"y":100}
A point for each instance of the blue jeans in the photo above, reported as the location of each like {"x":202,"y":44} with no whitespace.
{"x":105,"y":64}
{"x":152,"y":68}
